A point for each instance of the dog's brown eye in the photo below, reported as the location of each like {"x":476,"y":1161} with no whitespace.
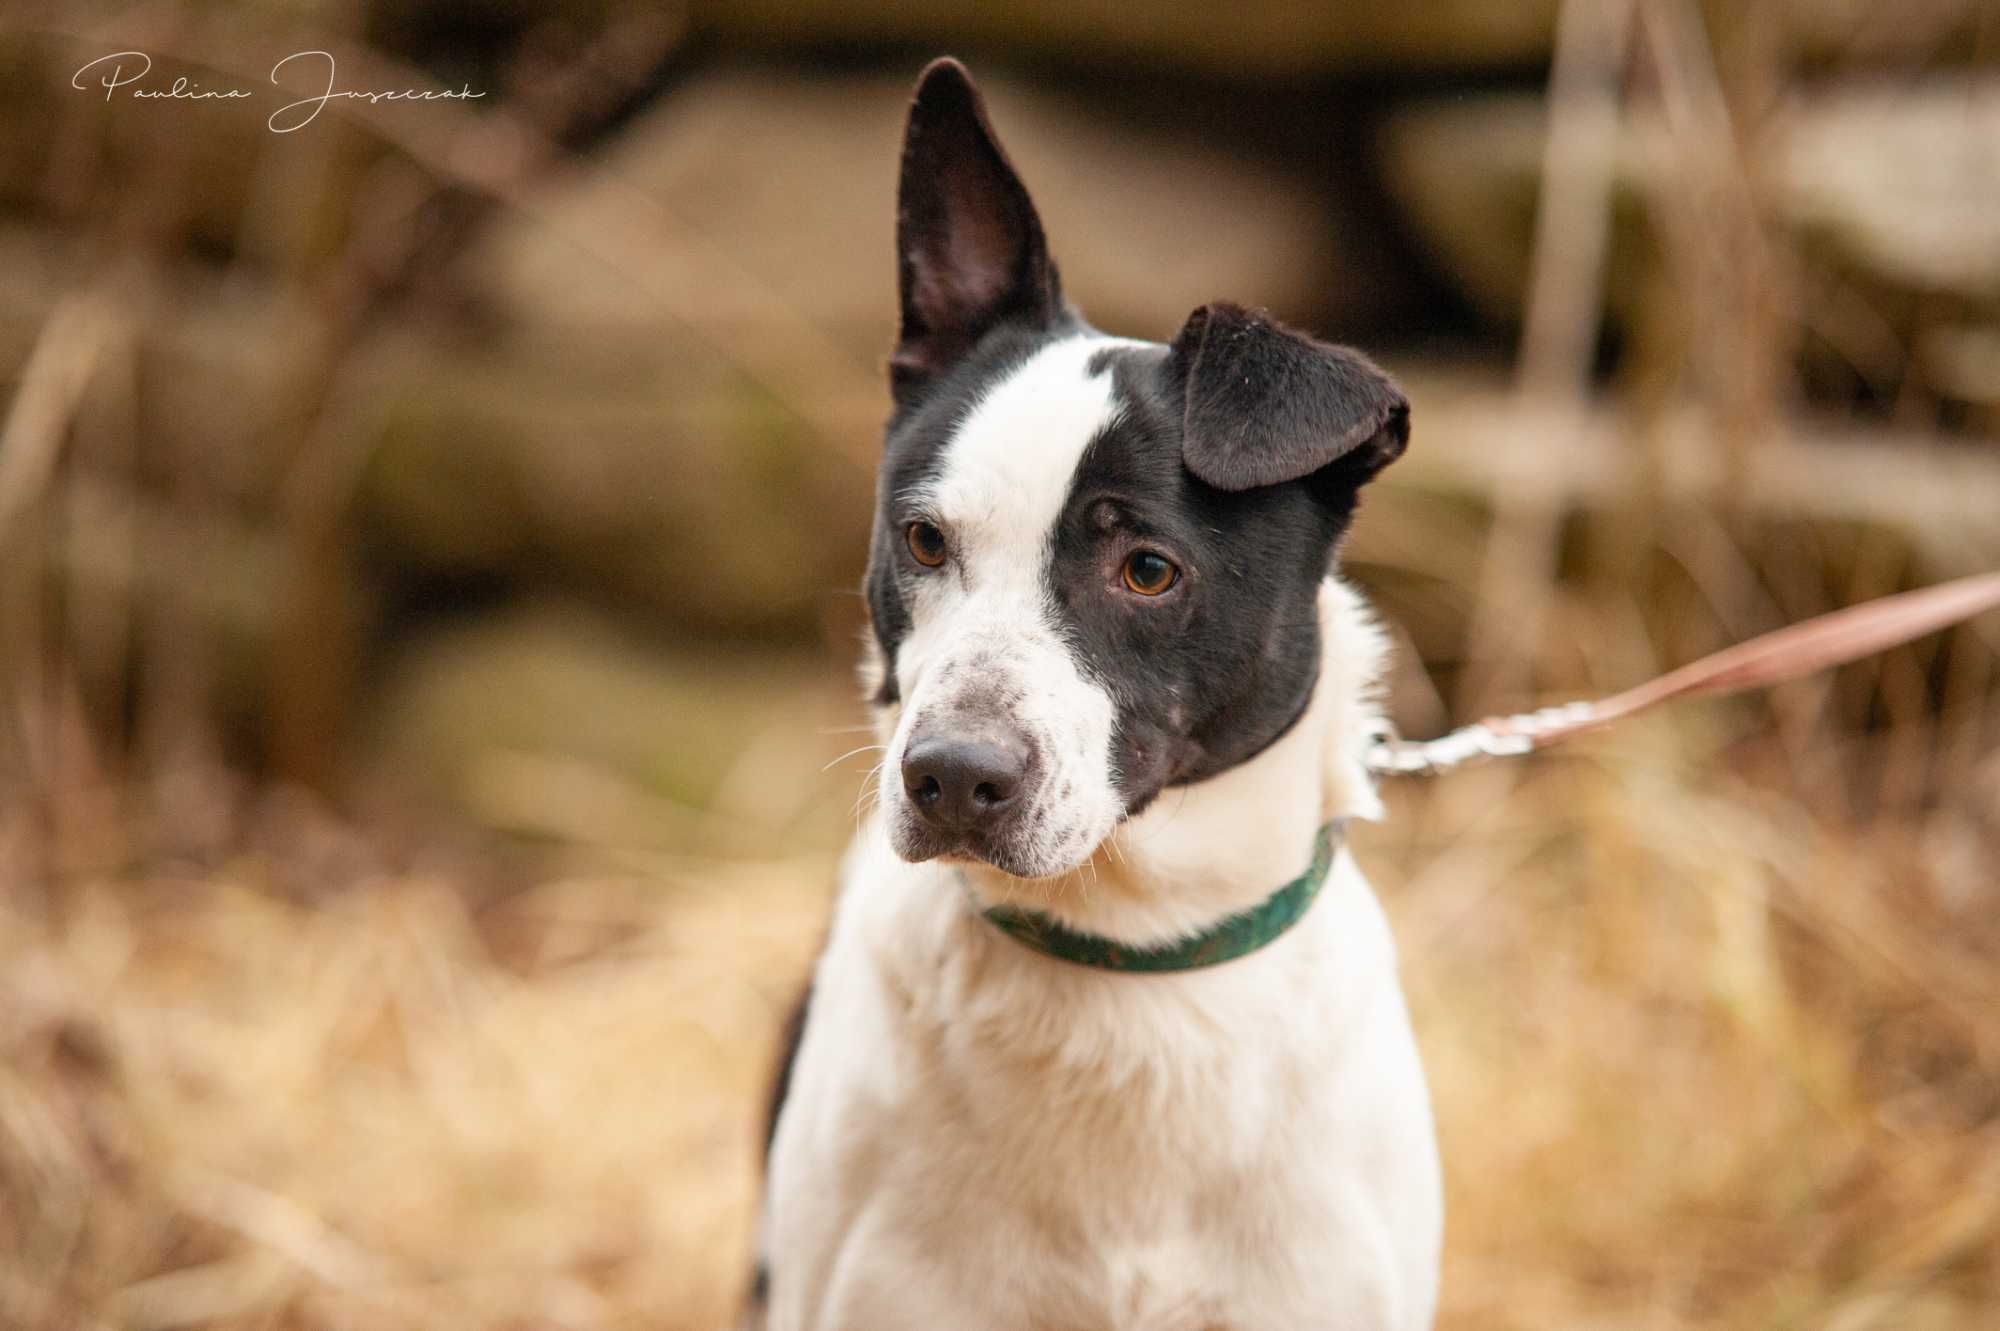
{"x":926,"y":544}
{"x":1148,"y":573}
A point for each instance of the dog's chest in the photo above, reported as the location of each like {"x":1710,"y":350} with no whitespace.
{"x":1135,"y":1209}
{"x":1068,"y":1153}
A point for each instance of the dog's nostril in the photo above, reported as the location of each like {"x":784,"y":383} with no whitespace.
{"x":986,"y":793}
{"x":927,"y":791}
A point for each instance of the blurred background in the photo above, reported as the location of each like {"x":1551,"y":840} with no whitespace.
{"x":428,"y":543}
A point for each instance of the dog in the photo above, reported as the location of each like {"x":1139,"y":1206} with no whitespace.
{"x":1107,"y":1031}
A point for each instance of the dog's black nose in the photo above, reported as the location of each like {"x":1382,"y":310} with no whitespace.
{"x":962,"y":784}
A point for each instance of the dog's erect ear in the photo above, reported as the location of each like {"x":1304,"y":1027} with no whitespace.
{"x":969,"y":247}
{"x":1266,"y":404}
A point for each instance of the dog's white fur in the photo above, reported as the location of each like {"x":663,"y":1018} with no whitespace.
{"x":981,"y":1136}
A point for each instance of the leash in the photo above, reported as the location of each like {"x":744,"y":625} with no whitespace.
{"x":1789,"y":653}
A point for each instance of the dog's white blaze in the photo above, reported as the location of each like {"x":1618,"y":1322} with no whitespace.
{"x":1008,"y":470}
{"x":1006,"y":474}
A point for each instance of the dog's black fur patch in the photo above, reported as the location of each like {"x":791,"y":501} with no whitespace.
{"x":1208,"y":674}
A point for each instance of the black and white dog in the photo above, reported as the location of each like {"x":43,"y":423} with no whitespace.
{"x":1125,"y":708}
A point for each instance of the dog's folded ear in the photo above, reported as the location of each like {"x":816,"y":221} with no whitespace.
{"x":1267,"y":404}
{"x":969,"y":246}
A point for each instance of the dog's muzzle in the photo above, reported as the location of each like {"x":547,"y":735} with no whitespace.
{"x":969,"y":791}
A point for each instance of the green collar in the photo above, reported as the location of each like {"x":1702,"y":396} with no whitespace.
{"x":1237,"y":936}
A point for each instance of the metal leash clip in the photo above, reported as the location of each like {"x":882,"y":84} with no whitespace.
{"x":1495,"y":737}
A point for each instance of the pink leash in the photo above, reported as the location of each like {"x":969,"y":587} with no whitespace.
{"x":1792,"y":652}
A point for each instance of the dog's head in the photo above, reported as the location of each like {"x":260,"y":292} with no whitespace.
{"x":1095,"y":561}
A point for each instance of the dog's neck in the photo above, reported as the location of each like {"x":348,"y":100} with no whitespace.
{"x":1204,"y":852}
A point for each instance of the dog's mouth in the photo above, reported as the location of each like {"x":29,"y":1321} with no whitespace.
{"x":1013,"y":849}
{"x":918,"y":842}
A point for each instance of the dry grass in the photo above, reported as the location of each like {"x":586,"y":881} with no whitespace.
{"x":1702,"y":1058}
{"x":261,"y":1094}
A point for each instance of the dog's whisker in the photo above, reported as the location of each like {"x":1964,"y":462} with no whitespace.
{"x":871,"y":790}
{"x":864,"y":748}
